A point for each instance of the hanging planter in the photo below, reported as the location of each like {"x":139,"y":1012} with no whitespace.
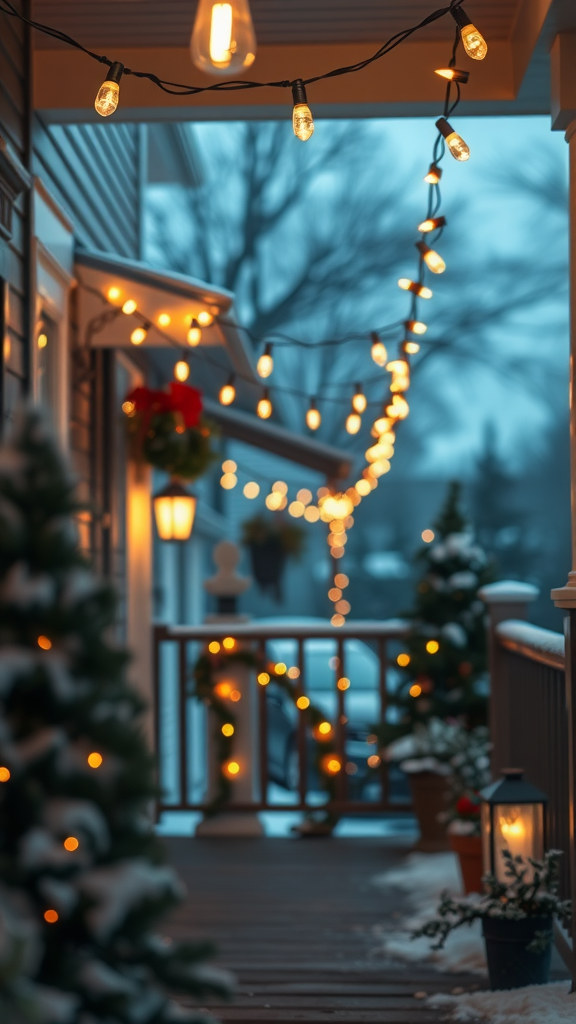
{"x":166,"y":430}
{"x":271,"y":542}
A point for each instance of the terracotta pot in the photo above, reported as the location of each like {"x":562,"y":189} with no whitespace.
{"x":469,"y":850}
{"x":431,"y":795}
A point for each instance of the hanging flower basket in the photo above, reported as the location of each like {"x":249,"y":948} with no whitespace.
{"x":166,"y":430}
{"x":271,"y":541}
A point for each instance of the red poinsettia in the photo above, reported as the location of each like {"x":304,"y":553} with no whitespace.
{"x":180,"y":398}
{"x":467,"y":807}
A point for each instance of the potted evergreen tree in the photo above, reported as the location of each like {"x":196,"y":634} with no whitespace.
{"x":517,"y":920}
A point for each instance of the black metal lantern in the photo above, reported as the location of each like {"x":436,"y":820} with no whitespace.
{"x":513,"y":818}
{"x":174,"y":509}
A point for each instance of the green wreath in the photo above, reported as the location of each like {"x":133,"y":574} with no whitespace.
{"x":183,"y":453}
{"x":204,"y":687}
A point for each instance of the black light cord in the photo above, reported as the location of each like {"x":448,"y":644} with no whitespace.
{"x":179,"y":89}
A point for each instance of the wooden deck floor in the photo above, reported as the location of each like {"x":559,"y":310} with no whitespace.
{"x":295,"y":920}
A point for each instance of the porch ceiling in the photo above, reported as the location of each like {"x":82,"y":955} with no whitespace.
{"x":301,"y":37}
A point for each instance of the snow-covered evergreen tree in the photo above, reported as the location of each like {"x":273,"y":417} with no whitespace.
{"x":82,"y":879}
{"x":446,"y":647}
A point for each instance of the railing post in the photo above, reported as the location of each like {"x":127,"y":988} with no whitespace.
{"x":507,"y":599}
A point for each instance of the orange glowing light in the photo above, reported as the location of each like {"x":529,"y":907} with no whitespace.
{"x":343,"y":683}
{"x":235,"y":696}
{"x":403,"y":660}
{"x":44,"y":643}
{"x":280,"y":668}
{"x":331,"y":764}
{"x":232,"y":768}
{"x":432,"y":647}
{"x":415,"y":690}
{"x":374,"y":761}
{"x":214,"y":647}
{"x":50,"y":916}
{"x":302,"y":703}
{"x":337,"y":620}
{"x":428,"y":536}
{"x":293,"y":673}
{"x":71,"y":844}
{"x":229,"y":643}
{"x":227,"y":729}
{"x":263,"y":679}
{"x":4,"y":774}
{"x":223,"y":689}
{"x":95,"y":760}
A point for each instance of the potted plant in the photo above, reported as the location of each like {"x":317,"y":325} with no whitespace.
{"x":438,"y":758}
{"x":166,"y":429}
{"x":517,"y":920}
{"x":271,"y":540}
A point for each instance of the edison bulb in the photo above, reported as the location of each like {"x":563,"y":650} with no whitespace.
{"x":223,"y":39}
{"x":181,"y":370}
{"x":359,"y":401}
{"x":205,"y":318}
{"x":378,"y":351}
{"x":473,"y":42}
{"x":264,"y":408}
{"x":302,"y":122}
{"x":431,"y":258}
{"x":107,"y":99}
{"x":416,"y":327}
{"x":227,"y":394}
{"x":458,"y":148}
{"x":414,"y":286}
{"x":194,"y":336}
{"x":138,"y":335}
{"x":313,"y":417}
{"x":353,"y":423}
{"x":434,"y":175}
{"x":265,"y":364}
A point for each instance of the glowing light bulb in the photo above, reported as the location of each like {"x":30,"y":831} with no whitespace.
{"x":453,"y":74}
{"x":181,"y":370}
{"x":378,"y":350}
{"x":313,"y":416}
{"x":456,"y":145}
{"x":415,"y":287}
{"x":265,"y":364}
{"x":431,"y":258}
{"x":164,"y":320}
{"x":138,"y":335}
{"x":359,"y":401}
{"x":227,"y":392}
{"x":95,"y":759}
{"x":264,"y":407}
{"x":434,"y":174}
{"x":251,"y":490}
{"x":410,"y":347}
{"x":431,"y":223}
{"x":353,"y":423}
{"x":302,"y":120}
{"x":205,"y":318}
{"x":223,"y":39}
{"x":194,"y":336}
{"x":106,"y":101}
{"x":130,"y":306}
{"x":415,"y":327}
{"x":472,"y":40}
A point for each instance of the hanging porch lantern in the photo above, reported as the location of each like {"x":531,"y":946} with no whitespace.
{"x":174,"y":510}
{"x":513,"y":814}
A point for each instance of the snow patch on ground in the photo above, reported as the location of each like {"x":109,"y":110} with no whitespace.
{"x":536,"y":1004}
{"x":422,"y":878}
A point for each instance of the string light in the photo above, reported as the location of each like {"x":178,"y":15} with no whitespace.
{"x":378,"y":350}
{"x":223,"y":40}
{"x":415,"y":286}
{"x":164,"y":320}
{"x":302,"y":120}
{"x":359,"y":401}
{"x":472,"y":40}
{"x":181,"y":370}
{"x":95,"y":759}
{"x":251,"y":490}
{"x":434,"y":174}
{"x":353,"y":422}
{"x":205,"y":318}
{"x":232,"y":769}
{"x":4,"y":774}
{"x":113,"y":293}
{"x":432,"y":647}
{"x":108,"y":95}
{"x":265,"y":364}
{"x":431,"y":258}
{"x":302,"y":703}
{"x":44,"y":643}
{"x":51,"y":916}
{"x":313,"y":416}
{"x":264,"y":407}
{"x":410,"y":347}
{"x":194,"y":336}
{"x":431,"y":223}
{"x":455,"y":142}
{"x":415,"y":327}
{"x":71,"y":844}
{"x":138,"y":335}
{"x":263,"y":679}
{"x":453,"y":74}
{"x":228,"y":391}
{"x":428,"y":536}
{"x":227,"y":729}
{"x":129,"y":307}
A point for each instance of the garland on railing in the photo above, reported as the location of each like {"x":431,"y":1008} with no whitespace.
{"x":217,"y":694}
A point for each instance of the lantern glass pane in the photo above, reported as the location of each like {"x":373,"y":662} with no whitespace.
{"x":163,"y":513}
{"x":183,"y":511}
{"x":520,"y":829}
{"x":486,"y":835}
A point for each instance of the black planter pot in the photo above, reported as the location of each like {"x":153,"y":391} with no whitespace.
{"x":510,"y":963}
{"x":268,"y":562}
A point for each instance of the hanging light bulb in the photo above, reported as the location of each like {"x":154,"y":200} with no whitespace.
{"x":359,"y":401}
{"x":223,"y":39}
{"x":138,"y":335}
{"x":434,"y":174}
{"x":431,"y":258}
{"x":414,"y":286}
{"x":378,"y":350}
{"x":410,"y":347}
{"x":398,"y":408}
{"x":194,"y":335}
{"x":182,"y":370}
{"x":264,"y":407}
{"x":228,"y":392}
{"x":472,"y":40}
{"x":456,"y":145}
{"x":205,"y":318}
{"x":431,"y":223}
{"x":302,"y":120}
{"x":265,"y":364}
{"x":313,"y":416}
{"x":382,"y":425}
{"x":453,"y":75}
{"x":415,"y":326}
{"x":353,"y":423}
{"x":106,"y":101}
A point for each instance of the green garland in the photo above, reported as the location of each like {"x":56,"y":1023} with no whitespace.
{"x":204,"y":688}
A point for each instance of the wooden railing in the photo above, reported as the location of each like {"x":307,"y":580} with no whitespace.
{"x":184,"y":729}
{"x":529,"y":719}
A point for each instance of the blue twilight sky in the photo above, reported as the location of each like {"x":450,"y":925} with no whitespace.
{"x":516,"y":378}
